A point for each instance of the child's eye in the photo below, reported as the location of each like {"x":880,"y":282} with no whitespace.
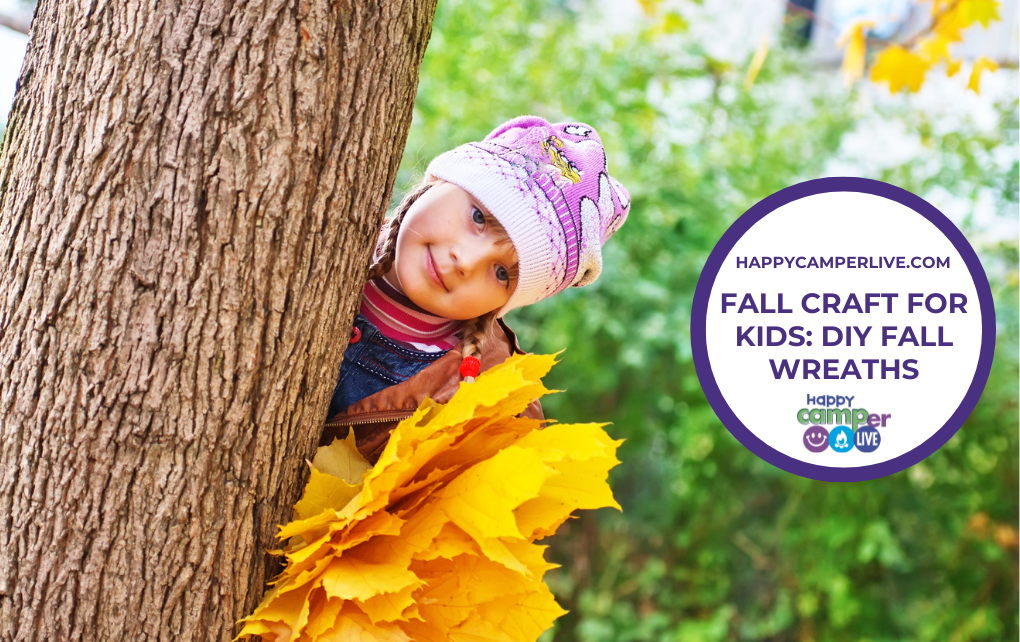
{"x":478,"y":217}
{"x":502,"y":275}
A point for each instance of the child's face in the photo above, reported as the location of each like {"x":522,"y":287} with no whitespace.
{"x":449,"y":261}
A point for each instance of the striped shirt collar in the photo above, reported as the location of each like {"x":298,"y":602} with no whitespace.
{"x":398,"y":318}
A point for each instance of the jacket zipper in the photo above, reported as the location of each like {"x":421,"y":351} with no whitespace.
{"x":371,"y":418}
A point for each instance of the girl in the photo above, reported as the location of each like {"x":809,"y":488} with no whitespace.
{"x":495,"y":225}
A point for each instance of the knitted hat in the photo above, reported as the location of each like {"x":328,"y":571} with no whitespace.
{"x":548,"y":187}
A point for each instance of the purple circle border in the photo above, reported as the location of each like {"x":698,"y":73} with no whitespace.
{"x":699,"y":344}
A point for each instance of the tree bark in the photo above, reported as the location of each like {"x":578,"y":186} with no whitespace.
{"x":189,"y":192}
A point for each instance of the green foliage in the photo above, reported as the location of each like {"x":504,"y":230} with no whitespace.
{"x":713,"y":543}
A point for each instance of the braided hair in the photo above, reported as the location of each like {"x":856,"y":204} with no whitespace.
{"x":472,"y":335}
{"x":389,"y":246}
{"x":474,"y":330}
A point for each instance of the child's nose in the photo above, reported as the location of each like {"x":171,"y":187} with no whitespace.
{"x":469,"y":257}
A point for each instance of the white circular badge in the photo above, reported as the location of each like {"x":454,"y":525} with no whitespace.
{"x":843,"y":329}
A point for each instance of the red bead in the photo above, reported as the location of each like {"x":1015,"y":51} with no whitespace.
{"x":470,"y":367}
{"x":355,"y":336}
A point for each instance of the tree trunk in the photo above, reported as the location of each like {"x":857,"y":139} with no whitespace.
{"x":189,"y":190}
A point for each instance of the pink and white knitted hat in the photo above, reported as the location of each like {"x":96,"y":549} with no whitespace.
{"x":548,"y":186}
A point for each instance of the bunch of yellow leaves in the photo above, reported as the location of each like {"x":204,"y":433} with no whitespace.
{"x":904,"y":65}
{"x":436,"y":541}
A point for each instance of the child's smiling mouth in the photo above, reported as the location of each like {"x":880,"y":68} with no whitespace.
{"x":433,"y":269}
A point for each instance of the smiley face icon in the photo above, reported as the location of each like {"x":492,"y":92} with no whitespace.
{"x":816,"y":439}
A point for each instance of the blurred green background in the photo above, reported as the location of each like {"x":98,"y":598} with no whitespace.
{"x":713,"y":543}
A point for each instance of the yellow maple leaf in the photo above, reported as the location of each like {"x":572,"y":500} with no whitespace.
{"x":351,"y":578}
{"x":541,"y":516}
{"x":856,"y":47}
{"x":582,"y":455}
{"x":436,"y":543}
{"x":983,"y":12}
{"x":449,"y":543}
{"x":474,"y":447}
{"x":953,"y":66}
{"x":388,"y":607}
{"x":902,"y":69}
{"x":324,"y":492}
{"x":417,"y":439}
{"x":323,"y":617}
{"x":511,"y":618}
{"x":302,"y":527}
{"x":354,"y":626}
{"x":342,"y":460}
{"x":934,"y":48}
{"x":481,"y":501}
{"x":953,"y":18}
{"x":532,"y":366}
{"x":532,"y":555}
{"x":473,"y":580}
{"x":280,"y":610}
{"x":981,"y":64}
{"x":422,"y":631}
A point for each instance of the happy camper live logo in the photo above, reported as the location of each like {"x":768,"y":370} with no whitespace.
{"x":895,"y":339}
{"x":833,"y":422}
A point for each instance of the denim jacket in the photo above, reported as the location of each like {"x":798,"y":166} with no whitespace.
{"x":374,"y":362}
{"x":382,"y":382}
